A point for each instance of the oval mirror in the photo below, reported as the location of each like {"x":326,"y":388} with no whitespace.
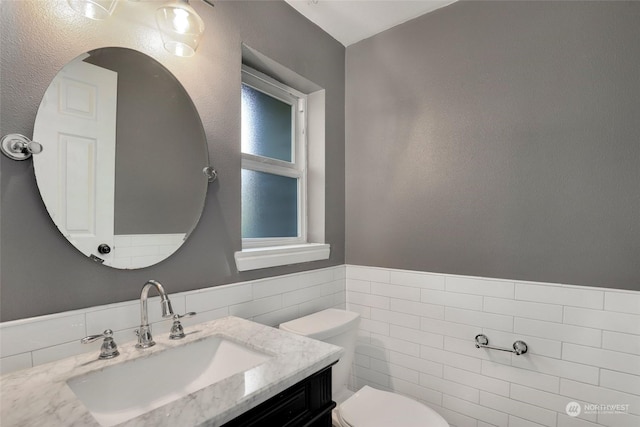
{"x":123,"y":153}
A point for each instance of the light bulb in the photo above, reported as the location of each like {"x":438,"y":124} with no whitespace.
{"x":181,"y":20}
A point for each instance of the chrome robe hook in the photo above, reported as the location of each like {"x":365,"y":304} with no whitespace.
{"x":19,"y":147}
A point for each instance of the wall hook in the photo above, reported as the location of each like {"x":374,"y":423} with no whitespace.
{"x":19,"y":147}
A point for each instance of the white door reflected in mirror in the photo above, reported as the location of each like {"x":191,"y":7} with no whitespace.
{"x":77,"y":118}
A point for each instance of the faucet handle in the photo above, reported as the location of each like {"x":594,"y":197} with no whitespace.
{"x":180,"y":316}
{"x":109,"y":348}
{"x":177,"y":331}
{"x":108,"y":333}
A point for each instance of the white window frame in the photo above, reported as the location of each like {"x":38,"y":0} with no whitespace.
{"x":296,"y":169}
{"x":267,"y":253}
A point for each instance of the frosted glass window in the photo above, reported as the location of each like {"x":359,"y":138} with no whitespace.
{"x":269,"y":205}
{"x":273,"y":162}
{"x":266,"y":125}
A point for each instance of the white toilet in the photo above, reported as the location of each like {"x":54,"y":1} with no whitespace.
{"x":368,"y":407}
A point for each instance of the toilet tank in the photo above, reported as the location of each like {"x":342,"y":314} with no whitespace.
{"x":334,"y":326}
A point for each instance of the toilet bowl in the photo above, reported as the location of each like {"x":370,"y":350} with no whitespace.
{"x":368,"y":407}
{"x":376,"y":408}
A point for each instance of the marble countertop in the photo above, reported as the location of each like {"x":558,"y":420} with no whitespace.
{"x":40,"y":396}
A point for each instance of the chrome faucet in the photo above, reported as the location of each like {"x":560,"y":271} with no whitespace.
{"x":145,"y":339}
{"x":109,"y":349}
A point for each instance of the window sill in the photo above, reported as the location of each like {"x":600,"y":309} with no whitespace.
{"x":256,"y":258}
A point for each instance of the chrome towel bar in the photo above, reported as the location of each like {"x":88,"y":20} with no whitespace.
{"x":519,"y":347}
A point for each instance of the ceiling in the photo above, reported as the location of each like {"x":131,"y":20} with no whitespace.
{"x":350,"y":21}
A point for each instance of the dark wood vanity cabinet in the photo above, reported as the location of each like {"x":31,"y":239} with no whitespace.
{"x":306,"y":404}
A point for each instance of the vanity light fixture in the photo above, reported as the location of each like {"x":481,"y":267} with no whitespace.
{"x":180,"y":26}
{"x":94,"y":9}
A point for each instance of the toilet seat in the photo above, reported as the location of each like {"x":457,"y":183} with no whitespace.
{"x":370,"y":407}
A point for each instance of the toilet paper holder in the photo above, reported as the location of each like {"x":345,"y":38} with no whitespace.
{"x":519,"y":347}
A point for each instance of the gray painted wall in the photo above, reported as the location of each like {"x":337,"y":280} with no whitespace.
{"x":499,"y":139}
{"x":160,"y":147}
{"x":41,"y":272}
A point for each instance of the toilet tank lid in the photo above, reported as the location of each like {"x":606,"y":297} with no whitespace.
{"x":323,"y":324}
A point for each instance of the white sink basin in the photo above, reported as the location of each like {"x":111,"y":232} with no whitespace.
{"x":124,"y":391}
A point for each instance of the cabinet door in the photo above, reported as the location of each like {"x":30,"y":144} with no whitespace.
{"x":306,"y":404}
